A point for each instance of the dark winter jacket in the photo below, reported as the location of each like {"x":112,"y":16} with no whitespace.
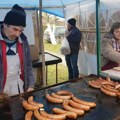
{"x":74,"y":38}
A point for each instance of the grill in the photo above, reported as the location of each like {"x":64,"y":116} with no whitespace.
{"x":108,"y":108}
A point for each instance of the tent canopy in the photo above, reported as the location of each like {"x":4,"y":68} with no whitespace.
{"x":55,"y":7}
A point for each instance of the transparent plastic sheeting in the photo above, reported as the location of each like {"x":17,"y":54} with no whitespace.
{"x":85,"y":14}
{"x":55,"y":7}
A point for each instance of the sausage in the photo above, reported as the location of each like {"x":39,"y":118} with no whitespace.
{"x":108,"y":78}
{"x":69,"y":114}
{"x":29,"y":115}
{"x":91,"y":104}
{"x":28,"y":106}
{"x":118,"y":94}
{"x":108,"y":92}
{"x":54,"y":100}
{"x":30,"y":100}
{"x":109,"y":88}
{"x":69,"y":108}
{"x":59,"y":111}
{"x":53,"y":116}
{"x":64,"y":97}
{"x":117,"y":86}
{"x":79,"y":105}
{"x":109,"y":83}
{"x":102,"y":80}
{"x":93,"y":84}
{"x":40,"y":117}
{"x":65,"y":92}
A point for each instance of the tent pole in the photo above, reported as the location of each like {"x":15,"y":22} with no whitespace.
{"x":98,"y":36}
{"x":42,"y":43}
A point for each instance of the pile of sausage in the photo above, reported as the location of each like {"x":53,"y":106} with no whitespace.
{"x":72,"y":107}
{"x":107,"y":86}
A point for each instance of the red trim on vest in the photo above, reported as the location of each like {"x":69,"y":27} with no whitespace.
{"x":4,"y":60}
{"x":20,"y":52}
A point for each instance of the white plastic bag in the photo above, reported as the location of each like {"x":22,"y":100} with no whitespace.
{"x":65,"y":48}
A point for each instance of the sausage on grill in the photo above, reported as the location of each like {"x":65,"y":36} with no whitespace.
{"x":30,"y":100}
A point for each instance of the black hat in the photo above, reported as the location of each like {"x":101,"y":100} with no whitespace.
{"x":72,"y":22}
{"x":16,"y":16}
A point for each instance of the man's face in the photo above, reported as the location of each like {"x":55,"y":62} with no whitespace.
{"x":12,"y":32}
{"x":69,"y":26}
{"x":116,"y":33}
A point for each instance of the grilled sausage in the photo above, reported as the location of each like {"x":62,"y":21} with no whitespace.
{"x":69,"y":108}
{"x":40,"y":117}
{"x":54,"y":100}
{"x":59,"y":111}
{"x":110,"y":88}
{"x":91,"y":104}
{"x":64,"y":97}
{"x":109,"y":83}
{"x":101,"y":79}
{"x":69,"y":114}
{"x":117,"y":86}
{"x":64,"y":92}
{"x":53,"y":116}
{"x":28,"y":106}
{"x":30,"y":100}
{"x":108,"y":92}
{"x":118,"y":94}
{"x":79,"y":105}
{"x":92,"y":83}
{"x":28,"y":115}
{"x":108,"y":78}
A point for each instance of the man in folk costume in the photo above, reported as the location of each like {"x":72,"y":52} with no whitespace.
{"x":16,"y":73}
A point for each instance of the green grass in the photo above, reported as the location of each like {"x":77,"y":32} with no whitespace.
{"x":52,"y":48}
{"x":62,"y":74}
{"x":62,"y":69}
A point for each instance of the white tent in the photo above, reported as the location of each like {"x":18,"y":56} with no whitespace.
{"x":67,"y":9}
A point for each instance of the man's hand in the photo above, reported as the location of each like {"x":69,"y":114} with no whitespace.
{"x":30,"y":89}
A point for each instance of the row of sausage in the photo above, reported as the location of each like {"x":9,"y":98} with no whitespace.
{"x":71,"y":107}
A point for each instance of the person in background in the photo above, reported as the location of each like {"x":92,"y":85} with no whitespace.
{"x":16,"y":73}
{"x":73,"y":35}
{"x":110,"y":49}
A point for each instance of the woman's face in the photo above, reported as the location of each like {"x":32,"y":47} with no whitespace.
{"x":116,"y":34}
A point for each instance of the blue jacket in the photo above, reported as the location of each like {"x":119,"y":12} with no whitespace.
{"x":74,"y":39}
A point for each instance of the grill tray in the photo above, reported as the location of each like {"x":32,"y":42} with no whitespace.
{"x":107,"y":107}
